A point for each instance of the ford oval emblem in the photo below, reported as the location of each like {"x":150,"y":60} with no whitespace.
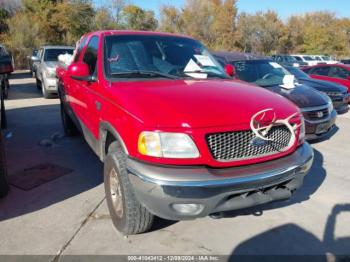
{"x":258,"y":142}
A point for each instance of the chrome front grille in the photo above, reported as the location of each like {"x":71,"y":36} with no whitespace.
{"x":232,"y":146}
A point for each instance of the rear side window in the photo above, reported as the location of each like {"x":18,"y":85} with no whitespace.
{"x":321,"y":71}
{"x":80,"y":48}
{"x":90,"y":56}
{"x":298,"y":58}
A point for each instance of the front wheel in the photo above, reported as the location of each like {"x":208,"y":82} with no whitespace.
{"x":68,"y":125}
{"x":127,"y":214}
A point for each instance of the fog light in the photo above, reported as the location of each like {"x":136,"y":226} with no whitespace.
{"x":188,"y":209}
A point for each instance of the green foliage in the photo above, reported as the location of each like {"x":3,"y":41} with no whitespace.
{"x":136,"y":18}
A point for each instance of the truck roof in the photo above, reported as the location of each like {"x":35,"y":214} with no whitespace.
{"x":134,"y":32}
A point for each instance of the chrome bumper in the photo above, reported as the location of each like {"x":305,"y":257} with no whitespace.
{"x":158,"y":188}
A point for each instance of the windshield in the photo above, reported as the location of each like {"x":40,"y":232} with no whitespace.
{"x":52,"y":54}
{"x":326,"y":58}
{"x":151,"y":56}
{"x":308,"y":58}
{"x":297,"y":72}
{"x":290,"y":59}
{"x":261,"y":73}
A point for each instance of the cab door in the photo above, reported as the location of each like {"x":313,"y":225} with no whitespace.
{"x":87,"y":101}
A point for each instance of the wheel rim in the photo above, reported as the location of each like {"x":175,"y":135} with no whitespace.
{"x":116,"y":193}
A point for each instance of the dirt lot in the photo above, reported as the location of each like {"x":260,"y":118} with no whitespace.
{"x":68,"y":215}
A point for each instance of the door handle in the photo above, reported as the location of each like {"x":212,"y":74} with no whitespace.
{"x":98,"y":105}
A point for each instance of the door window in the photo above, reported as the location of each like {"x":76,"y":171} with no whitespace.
{"x":321,"y":71}
{"x":338,"y":72}
{"x":80,"y":48}
{"x":90,"y":56}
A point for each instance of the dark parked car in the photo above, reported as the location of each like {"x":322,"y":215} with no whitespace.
{"x":345,"y":61}
{"x":6,"y":68}
{"x":31,"y":59}
{"x":338,"y":93}
{"x":288,"y":60}
{"x":4,"y":187}
{"x":317,"y":108}
{"x":338,"y":73}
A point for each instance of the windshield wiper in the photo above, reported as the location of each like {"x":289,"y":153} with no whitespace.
{"x":143,"y":73}
{"x":207,"y":73}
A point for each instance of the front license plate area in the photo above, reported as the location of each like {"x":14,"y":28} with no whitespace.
{"x":322,"y":128}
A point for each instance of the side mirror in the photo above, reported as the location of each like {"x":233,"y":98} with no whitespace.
{"x":80,"y":71}
{"x":230,"y":70}
{"x":35,"y":59}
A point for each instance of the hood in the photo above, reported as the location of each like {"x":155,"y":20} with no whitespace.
{"x":302,"y":95}
{"x":196,"y":103}
{"x":51,"y":64}
{"x":323,"y":86}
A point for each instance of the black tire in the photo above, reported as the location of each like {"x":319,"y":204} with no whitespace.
{"x":133,"y":218}
{"x":38,"y":83}
{"x":5,"y":89}
{"x":4,"y":186}
{"x":68,"y":125}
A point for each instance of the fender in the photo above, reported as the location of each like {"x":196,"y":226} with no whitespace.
{"x":104,"y":127}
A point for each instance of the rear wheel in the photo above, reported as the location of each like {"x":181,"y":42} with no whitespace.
{"x":128,"y":216}
{"x":4,"y":186}
{"x":68,"y":125}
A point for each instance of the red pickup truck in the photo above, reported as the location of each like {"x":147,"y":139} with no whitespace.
{"x":178,"y":137}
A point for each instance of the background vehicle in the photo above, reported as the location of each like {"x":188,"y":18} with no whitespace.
{"x":288,"y":60}
{"x":4,"y":186}
{"x":317,"y":108}
{"x":174,"y":131}
{"x":345,"y":61}
{"x":31,"y":59}
{"x":324,"y":59}
{"x":306,"y":59}
{"x":338,"y":73}
{"x":6,"y":68}
{"x":45,"y":68}
{"x":338,"y":93}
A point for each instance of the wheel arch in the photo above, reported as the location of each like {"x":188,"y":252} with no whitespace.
{"x":108,"y":134}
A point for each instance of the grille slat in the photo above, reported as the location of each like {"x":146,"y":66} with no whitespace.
{"x":232,"y":146}
{"x":313,"y":115}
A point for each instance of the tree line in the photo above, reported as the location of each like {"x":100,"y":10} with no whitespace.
{"x":27,"y":24}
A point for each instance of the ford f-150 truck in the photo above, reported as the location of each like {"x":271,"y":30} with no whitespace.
{"x":179,"y":139}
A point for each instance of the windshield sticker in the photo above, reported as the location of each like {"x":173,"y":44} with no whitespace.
{"x":275,"y":65}
{"x":288,"y":82}
{"x":192,"y":69}
{"x":204,"y":60}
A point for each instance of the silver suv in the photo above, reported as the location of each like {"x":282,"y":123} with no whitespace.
{"x":45,"y":68}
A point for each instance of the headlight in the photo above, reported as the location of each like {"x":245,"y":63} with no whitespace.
{"x":50,"y":73}
{"x":301,"y":131}
{"x":168,"y":145}
{"x":330,"y":106}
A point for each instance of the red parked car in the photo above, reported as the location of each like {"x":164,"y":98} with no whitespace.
{"x":179,"y":139}
{"x":338,"y":73}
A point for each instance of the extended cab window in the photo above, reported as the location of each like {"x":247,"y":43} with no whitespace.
{"x":90,"y":56}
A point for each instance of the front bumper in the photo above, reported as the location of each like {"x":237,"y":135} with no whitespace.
{"x":51,"y":85}
{"x":320,"y":128}
{"x":216,"y":190}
